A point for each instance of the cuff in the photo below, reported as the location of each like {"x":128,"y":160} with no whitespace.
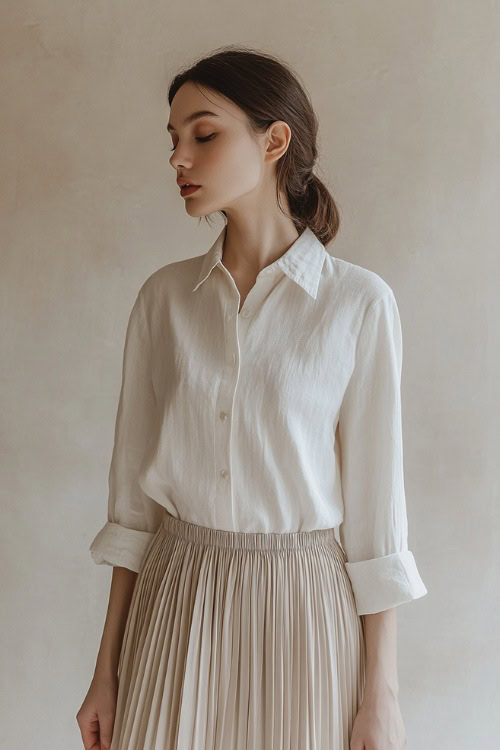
{"x":385,"y":582}
{"x":118,"y":545}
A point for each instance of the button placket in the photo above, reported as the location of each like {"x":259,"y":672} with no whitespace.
{"x":223,"y":415}
{"x":236,"y":327}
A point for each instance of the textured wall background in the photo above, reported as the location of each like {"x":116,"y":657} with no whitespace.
{"x":407,"y":97}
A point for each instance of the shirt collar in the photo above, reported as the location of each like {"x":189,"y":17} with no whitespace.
{"x":302,"y":262}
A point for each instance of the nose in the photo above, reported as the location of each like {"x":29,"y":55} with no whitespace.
{"x":179,"y":161}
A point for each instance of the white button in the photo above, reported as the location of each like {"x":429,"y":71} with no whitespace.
{"x":223,"y":415}
{"x":246,"y":314}
{"x":224,"y":473}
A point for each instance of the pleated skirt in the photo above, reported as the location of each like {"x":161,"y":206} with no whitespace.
{"x":240,"y":641}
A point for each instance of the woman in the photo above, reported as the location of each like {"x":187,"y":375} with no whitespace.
{"x":259,"y":413}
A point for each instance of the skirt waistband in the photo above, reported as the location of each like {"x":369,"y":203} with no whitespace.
{"x":254,"y":540}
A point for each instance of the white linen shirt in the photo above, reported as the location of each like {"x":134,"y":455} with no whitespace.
{"x":283,"y":417}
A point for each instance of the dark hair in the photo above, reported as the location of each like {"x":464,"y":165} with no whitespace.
{"x":266,"y":89}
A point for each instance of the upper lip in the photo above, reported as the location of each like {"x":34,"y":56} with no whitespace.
{"x":184,"y":181}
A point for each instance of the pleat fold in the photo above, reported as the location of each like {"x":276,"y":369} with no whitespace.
{"x":240,"y":641}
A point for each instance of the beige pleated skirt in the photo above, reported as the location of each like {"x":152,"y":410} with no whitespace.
{"x":240,"y":641}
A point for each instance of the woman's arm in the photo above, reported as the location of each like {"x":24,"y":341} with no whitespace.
{"x":378,"y":723}
{"x":120,"y":596}
{"x":97,"y":712}
{"x":381,"y":653}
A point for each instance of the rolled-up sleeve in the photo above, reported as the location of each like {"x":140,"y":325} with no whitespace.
{"x":133,"y":517}
{"x":374,"y":530}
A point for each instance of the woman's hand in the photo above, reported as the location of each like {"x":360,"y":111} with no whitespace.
{"x":97,"y":713}
{"x":378,"y":724}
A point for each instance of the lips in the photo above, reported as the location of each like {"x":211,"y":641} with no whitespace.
{"x":181,"y":182}
{"x":188,"y":190}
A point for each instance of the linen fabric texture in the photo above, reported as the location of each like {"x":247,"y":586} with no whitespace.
{"x":282,"y":416}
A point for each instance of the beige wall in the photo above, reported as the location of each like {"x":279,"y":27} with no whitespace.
{"x":407,"y":97}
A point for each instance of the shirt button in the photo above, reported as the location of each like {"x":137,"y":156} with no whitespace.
{"x":224,"y":473}
{"x":246,"y":314}
{"x":223,"y":415}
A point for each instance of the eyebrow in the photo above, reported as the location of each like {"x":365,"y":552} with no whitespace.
{"x":194,"y":116}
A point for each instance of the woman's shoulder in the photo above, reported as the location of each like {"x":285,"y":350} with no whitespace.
{"x":171,"y":278}
{"x":355,"y":285}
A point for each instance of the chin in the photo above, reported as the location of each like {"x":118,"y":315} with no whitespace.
{"x":196,"y":207}
{"x":193,"y":210}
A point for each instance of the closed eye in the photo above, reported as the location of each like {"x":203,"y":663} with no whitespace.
{"x":203,"y":140}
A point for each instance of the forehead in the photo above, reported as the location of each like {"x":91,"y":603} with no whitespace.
{"x":190,"y":104}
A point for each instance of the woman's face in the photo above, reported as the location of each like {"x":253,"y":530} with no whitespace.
{"x":218,"y":153}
